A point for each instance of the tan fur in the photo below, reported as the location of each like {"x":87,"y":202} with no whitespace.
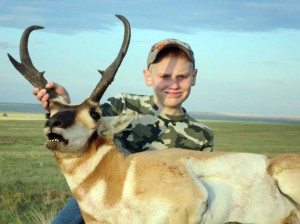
{"x":286,"y":171}
{"x":111,"y":170}
{"x":171,"y":185}
{"x":293,"y":218}
{"x":160,"y":179}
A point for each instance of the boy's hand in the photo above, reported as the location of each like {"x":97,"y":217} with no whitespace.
{"x":43,"y":96}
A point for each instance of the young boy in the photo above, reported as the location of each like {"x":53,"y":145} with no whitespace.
{"x":159,"y":121}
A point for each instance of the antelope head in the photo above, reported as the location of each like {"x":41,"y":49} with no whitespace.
{"x":70,"y":128}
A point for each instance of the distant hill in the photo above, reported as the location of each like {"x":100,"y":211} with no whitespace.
{"x":21,"y":107}
{"x":245,"y":117}
{"x":37,"y":108}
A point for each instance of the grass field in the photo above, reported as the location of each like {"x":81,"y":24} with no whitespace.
{"x":32,"y":188}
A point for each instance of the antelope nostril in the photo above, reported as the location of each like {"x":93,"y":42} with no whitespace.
{"x":56,"y":123}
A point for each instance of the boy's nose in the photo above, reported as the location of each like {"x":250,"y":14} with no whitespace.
{"x":174,"y":83}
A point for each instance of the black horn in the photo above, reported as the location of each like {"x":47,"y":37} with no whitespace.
{"x":109,"y":74}
{"x":26,"y":68}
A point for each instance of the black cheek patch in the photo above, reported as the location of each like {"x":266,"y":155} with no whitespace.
{"x":66,"y":117}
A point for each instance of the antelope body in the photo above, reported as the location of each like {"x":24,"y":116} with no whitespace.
{"x":163,"y":186}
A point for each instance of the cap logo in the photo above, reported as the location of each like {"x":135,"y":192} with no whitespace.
{"x":162,"y":44}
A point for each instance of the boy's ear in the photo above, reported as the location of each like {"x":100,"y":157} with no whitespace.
{"x":147,"y":77}
{"x":194,"y":77}
{"x":114,"y":125}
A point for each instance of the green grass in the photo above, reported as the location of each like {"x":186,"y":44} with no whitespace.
{"x":265,"y":138}
{"x":32,"y":188}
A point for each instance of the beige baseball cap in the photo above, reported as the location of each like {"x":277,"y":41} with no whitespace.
{"x":156,"y":48}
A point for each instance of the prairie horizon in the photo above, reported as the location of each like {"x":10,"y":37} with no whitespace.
{"x":34,"y":111}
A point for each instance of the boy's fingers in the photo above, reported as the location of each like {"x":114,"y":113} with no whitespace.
{"x":35,"y":91}
{"x":45,"y":105}
{"x":49,"y":85}
{"x":45,"y":98}
{"x":41,"y":94}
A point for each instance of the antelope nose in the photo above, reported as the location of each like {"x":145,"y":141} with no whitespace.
{"x":53,"y":123}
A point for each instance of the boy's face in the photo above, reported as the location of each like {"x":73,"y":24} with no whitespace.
{"x":171,"y":79}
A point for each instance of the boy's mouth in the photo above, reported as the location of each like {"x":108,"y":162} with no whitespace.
{"x":173,"y":93}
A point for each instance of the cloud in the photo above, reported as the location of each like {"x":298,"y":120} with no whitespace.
{"x":267,"y":62}
{"x":6,"y":45}
{"x":178,"y":16}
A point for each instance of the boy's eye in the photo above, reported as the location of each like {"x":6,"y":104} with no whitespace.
{"x":181,"y":77}
{"x":165,"y":76}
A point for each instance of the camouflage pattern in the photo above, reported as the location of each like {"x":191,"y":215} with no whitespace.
{"x":150,"y":129}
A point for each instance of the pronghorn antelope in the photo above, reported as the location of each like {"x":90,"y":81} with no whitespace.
{"x":163,"y":186}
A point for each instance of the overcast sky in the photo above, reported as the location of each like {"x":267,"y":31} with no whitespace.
{"x":247,"y":52}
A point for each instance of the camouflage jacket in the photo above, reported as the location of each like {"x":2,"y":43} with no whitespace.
{"x":151,"y":129}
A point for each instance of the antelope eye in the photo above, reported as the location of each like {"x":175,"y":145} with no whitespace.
{"x":96,"y":116}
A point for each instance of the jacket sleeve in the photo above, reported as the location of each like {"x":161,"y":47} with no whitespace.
{"x":209,"y":137}
{"x":114,"y":106}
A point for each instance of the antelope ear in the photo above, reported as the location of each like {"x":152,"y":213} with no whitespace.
{"x":115,"y":124}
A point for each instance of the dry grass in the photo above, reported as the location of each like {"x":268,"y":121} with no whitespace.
{"x":22,"y":116}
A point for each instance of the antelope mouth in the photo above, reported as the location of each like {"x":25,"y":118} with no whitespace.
{"x":54,"y":140}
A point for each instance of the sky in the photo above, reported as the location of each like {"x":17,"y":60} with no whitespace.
{"x":247,"y":52}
